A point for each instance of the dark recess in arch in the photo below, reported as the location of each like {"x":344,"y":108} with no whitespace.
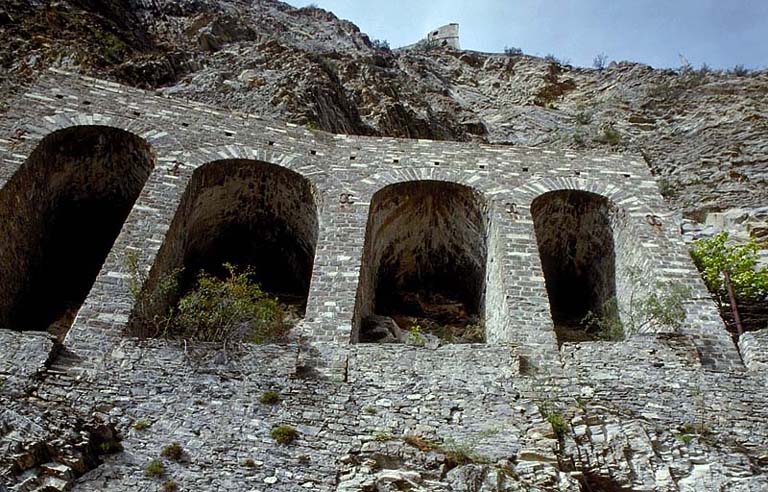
{"x":251,"y":214}
{"x":424,"y":261}
{"x":576,"y":247}
{"x":59,"y":217}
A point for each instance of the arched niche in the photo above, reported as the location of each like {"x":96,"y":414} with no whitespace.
{"x":424,"y":263}
{"x":577,"y":234}
{"x":59,"y":217}
{"x":250,"y":214}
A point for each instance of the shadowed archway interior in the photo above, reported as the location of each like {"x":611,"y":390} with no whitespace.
{"x":248,"y":213}
{"x":425,"y":256}
{"x":59,"y":217}
{"x":576,"y":247}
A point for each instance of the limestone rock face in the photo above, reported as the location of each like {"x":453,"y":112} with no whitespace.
{"x":703,"y":132}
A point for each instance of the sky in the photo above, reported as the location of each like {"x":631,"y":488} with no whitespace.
{"x":661,"y":33}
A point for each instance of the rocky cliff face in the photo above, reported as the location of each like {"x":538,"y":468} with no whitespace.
{"x":703,"y":132}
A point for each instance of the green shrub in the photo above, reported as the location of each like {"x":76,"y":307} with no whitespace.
{"x":110,"y":447}
{"x":606,"y":324}
{"x":714,"y":256}
{"x":141,"y":425}
{"x":512,"y":51}
{"x":284,"y":434}
{"x":234,"y":308}
{"x":662,"y":305}
{"x":154,"y":469}
{"x":415,"y":336}
{"x":739,"y":71}
{"x":269,"y":397}
{"x":380,"y":44}
{"x":666,"y":309}
{"x":666,"y":188}
{"x":684,"y":438}
{"x":249,"y":463}
{"x":370,"y":410}
{"x":172,"y":451}
{"x":610,"y":136}
{"x":583,"y":117}
{"x":150,"y":317}
{"x":558,"y":423}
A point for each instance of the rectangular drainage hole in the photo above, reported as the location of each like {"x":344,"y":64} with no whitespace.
{"x":352,"y":158}
{"x":437,"y":163}
{"x":481,"y":166}
{"x":313,"y":152}
{"x":525,"y":169}
{"x":578,"y":173}
{"x":185,"y":125}
{"x":229,"y":134}
{"x":86,"y":103}
{"x":136,"y":113}
{"x":627,"y":175}
{"x":59,"y":96}
{"x":270,"y":143}
{"x":396,"y":161}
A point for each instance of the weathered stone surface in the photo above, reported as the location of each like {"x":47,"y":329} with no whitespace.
{"x":659,"y":411}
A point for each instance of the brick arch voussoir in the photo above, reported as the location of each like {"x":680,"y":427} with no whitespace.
{"x":380,"y":180}
{"x":525,"y":194}
{"x":319,"y":179}
{"x":35,"y":131}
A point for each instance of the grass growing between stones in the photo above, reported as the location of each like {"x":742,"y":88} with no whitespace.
{"x":170,"y":486}
{"x":284,"y":434}
{"x":141,"y":425}
{"x":455,"y":453}
{"x":154,"y":469}
{"x":269,"y":397}
{"x":173,"y":452}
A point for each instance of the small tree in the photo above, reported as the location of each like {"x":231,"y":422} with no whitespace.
{"x":380,"y":44}
{"x":600,"y":61}
{"x":730,"y":271}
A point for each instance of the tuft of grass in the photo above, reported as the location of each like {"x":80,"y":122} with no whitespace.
{"x":173,"y":451}
{"x":110,"y":447}
{"x":383,"y":437}
{"x":269,"y":397}
{"x":249,"y":463}
{"x":684,"y":438}
{"x":170,"y":486}
{"x":610,"y":136}
{"x":284,"y":434}
{"x":583,"y":117}
{"x":419,"y":442}
{"x":154,"y":469}
{"x":458,"y":454}
{"x":371,"y":410}
{"x":141,"y":425}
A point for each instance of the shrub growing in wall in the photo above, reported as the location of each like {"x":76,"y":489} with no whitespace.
{"x":714,"y":257}
{"x":234,"y":308}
